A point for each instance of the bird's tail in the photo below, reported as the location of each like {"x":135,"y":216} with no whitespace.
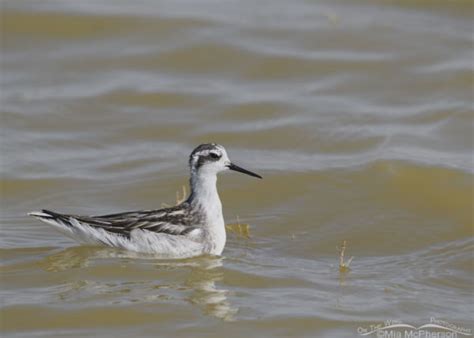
{"x":63,"y":223}
{"x":43,"y":214}
{"x":53,"y":218}
{"x":78,"y":230}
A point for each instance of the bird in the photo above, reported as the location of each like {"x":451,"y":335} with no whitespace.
{"x":192,"y":228}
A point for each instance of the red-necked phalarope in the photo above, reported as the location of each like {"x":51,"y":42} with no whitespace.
{"x":191,"y":228}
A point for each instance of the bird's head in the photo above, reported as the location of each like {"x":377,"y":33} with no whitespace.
{"x":212,"y":158}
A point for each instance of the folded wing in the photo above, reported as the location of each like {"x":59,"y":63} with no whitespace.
{"x":172,"y":221}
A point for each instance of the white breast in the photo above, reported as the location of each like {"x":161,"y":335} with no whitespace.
{"x":206,"y":198}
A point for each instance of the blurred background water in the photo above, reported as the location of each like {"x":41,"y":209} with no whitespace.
{"x":357,"y":113}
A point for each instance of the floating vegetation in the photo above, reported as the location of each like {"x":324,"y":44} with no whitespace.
{"x":241,"y":229}
{"x":333,"y":18}
{"x":343,"y":266}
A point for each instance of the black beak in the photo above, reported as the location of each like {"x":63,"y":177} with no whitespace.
{"x":242,"y":170}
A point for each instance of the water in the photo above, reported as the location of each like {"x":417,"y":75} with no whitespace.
{"x":357,"y":113}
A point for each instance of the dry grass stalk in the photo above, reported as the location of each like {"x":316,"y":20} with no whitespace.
{"x":344,"y":266}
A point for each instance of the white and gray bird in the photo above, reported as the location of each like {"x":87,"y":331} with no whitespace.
{"x":191,"y":228}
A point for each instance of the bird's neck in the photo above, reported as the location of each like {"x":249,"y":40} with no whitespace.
{"x":205,"y":196}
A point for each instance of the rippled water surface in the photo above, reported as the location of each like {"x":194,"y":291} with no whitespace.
{"x":357,"y":113}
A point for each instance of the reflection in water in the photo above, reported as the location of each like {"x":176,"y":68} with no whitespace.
{"x":70,"y":258}
{"x":341,"y":289}
{"x":202,"y":281}
{"x":204,"y":272}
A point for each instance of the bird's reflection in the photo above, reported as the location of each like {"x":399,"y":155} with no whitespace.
{"x":198,"y":286}
{"x":202,"y":281}
{"x":70,"y":258}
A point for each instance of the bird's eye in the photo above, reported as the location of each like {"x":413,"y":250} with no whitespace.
{"x":214,"y":155}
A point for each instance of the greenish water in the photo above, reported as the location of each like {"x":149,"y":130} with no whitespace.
{"x":357,"y":113}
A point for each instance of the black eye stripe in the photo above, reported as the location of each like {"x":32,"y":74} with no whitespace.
{"x":210,"y":157}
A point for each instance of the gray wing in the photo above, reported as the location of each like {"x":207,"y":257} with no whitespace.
{"x":173,"y":221}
